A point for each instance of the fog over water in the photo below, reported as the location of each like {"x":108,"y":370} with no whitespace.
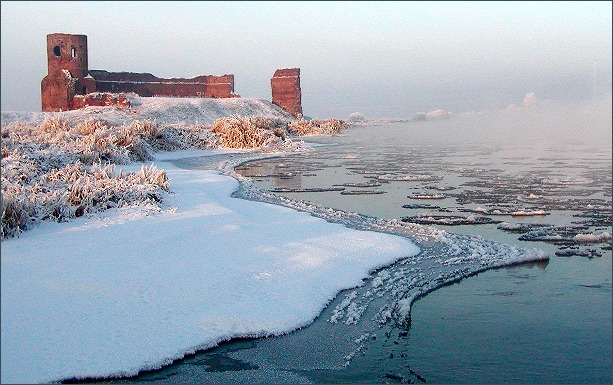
{"x":544,"y":122}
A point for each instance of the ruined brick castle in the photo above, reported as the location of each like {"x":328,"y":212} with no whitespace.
{"x":70,"y":84}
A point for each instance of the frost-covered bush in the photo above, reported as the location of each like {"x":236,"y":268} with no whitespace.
{"x":174,"y":137}
{"x":56,"y":171}
{"x":317,"y":127}
{"x":29,"y":197}
{"x":264,"y":123}
{"x":246,"y":133}
{"x":267,"y":123}
{"x":91,"y":139}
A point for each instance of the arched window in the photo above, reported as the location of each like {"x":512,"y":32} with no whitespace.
{"x":73,"y":52}
{"x":56,"y":50}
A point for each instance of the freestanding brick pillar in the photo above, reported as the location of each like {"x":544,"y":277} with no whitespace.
{"x":67,"y":71}
{"x":286,"y":91}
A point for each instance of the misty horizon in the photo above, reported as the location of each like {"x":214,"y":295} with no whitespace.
{"x":384,"y":60}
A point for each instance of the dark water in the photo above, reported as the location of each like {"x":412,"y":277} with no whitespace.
{"x":537,"y":323}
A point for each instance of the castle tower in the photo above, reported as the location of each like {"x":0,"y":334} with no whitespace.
{"x":67,"y":71}
{"x":286,"y":93}
{"x":67,"y":52}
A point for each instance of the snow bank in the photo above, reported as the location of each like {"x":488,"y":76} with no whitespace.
{"x":165,"y":111}
{"x":204,"y":110}
{"x":128,"y":290}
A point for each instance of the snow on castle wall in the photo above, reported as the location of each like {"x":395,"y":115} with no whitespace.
{"x":100,"y":99}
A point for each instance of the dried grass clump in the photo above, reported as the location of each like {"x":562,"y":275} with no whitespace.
{"x":92,"y":140}
{"x":54,"y":124}
{"x":331,"y":126}
{"x":72,"y":191}
{"x":244,"y":133}
{"x":300,"y":128}
{"x":317,"y":127}
{"x":88,"y":127}
{"x":267,"y":123}
{"x":144,"y":129}
{"x":174,"y":137}
{"x":56,"y":171}
{"x":277,"y":126}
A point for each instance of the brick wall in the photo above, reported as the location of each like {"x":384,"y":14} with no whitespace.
{"x":286,"y":93}
{"x":145,"y":84}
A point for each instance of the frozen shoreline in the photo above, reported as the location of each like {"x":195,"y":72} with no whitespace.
{"x":128,"y":290}
{"x":61,"y":284}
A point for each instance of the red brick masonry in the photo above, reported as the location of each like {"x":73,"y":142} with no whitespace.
{"x":69,"y":83}
{"x":286,"y":91}
{"x":145,"y":84}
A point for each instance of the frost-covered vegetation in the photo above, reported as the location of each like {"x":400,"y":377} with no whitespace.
{"x":254,"y":132}
{"x":317,"y":127}
{"x":56,"y":171}
{"x":65,"y":168}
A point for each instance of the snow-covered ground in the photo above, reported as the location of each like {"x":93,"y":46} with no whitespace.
{"x":165,"y":111}
{"x":134,"y":288}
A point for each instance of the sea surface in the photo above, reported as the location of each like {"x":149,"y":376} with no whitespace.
{"x":545,"y":322}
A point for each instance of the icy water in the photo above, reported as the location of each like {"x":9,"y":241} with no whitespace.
{"x":544,"y":322}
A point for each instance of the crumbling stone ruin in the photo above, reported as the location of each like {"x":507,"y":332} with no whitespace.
{"x":286,"y":92}
{"x":70,"y":84}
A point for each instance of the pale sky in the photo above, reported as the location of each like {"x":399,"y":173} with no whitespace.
{"x":383,"y":59}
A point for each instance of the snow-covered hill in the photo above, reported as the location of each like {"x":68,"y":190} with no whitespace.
{"x":164,"y":111}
